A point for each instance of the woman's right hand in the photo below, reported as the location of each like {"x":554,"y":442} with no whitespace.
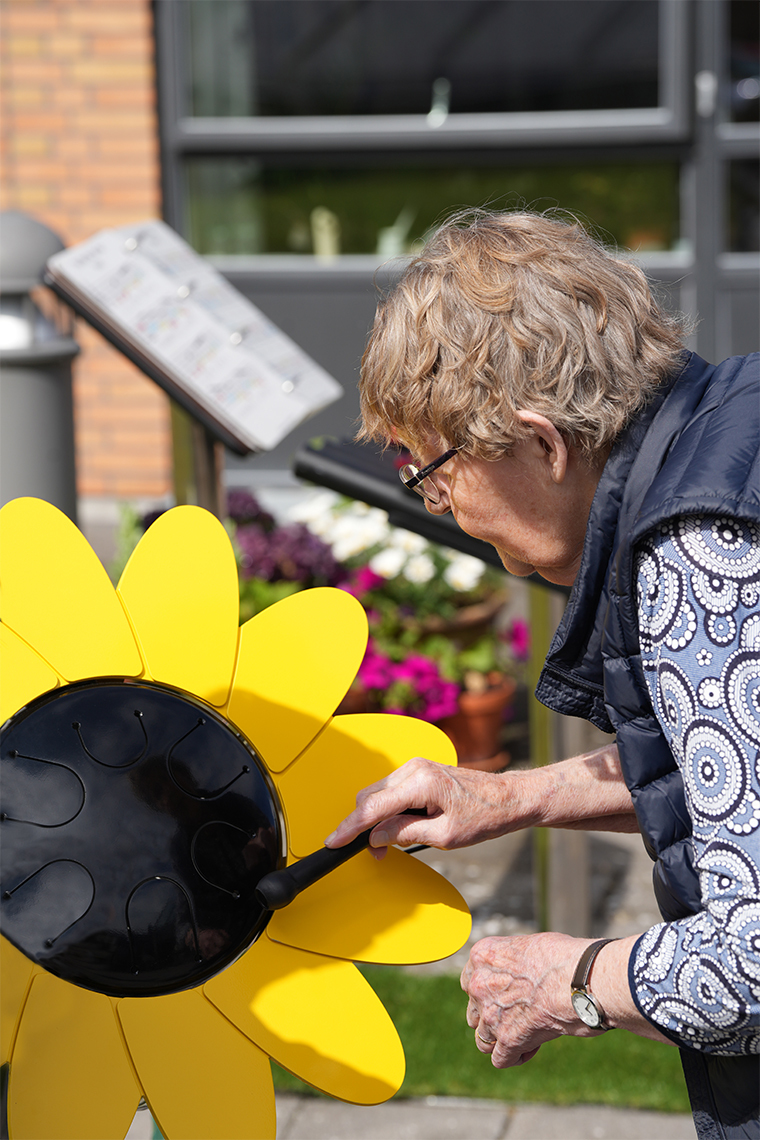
{"x":457,"y":807}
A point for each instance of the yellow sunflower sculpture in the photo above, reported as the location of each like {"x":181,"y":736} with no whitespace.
{"x":157,"y":761}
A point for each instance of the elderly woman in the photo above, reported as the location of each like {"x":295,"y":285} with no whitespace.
{"x":551,"y":407}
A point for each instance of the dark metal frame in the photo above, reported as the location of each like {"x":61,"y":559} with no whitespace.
{"x":705,"y":278}
{"x":182,"y":135}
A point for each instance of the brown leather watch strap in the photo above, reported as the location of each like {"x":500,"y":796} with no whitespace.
{"x":583,"y":969}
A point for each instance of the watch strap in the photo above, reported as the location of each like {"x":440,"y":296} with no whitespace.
{"x":583,"y":969}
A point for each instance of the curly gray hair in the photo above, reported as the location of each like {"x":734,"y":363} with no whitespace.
{"x":503,"y":312}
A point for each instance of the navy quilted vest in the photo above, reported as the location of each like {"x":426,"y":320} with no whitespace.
{"x":694,"y":448}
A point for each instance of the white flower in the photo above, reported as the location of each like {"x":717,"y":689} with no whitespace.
{"x":420,"y":568}
{"x":315,"y":510}
{"x":388,"y":563}
{"x":408,"y":542}
{"x":464,"y":572}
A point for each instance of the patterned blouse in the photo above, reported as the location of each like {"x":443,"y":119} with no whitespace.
{"x":698,"y":979}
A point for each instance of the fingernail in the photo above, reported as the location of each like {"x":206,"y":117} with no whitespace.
{"x":330,"y":838}
{"x":379,"y":839}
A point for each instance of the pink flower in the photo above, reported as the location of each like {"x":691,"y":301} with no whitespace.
{"x":518,"y":636}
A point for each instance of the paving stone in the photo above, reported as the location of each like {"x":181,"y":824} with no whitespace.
{"x":438,"y":1118}
{"x":595,"y":1122}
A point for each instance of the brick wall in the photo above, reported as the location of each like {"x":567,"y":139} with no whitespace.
{"x":80,"y":152}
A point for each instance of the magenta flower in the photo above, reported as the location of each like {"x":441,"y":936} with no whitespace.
{"x":412,"y":687}
{"x":518,"y":636}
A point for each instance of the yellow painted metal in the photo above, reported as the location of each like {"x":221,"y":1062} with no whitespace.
{"x":70,"y":1076}
{"x":23,"y":674}
{"x":15,"y":975}
{"x":395,"y":911}
{"x":57,"y":597}
{"x":203,"y":1080}
{"x":180,"y":589}
{"x":353,"y":752}
{"x":296,"y":661}
{"x":315,"y":1016}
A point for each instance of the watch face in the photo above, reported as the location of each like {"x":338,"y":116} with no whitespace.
{"x":586,"y":1009}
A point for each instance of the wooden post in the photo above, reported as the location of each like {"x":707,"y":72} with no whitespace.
{"x":198,"y":464}
{"x":560,"y":858}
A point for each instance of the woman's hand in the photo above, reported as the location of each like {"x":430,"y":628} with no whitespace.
{"x":463,"y":807}
{"x":519,"y":991}
{"x":456,"y":807}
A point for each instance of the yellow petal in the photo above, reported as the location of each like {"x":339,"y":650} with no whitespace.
{"x":316,"y":1017}
{"x":16,"y":973}
{"x":57,"y":597}
{"x":296,"y":661}
{"x":70,"y":1076}
{"x":353,"y":751}
{"x":23,"y":674}
{"x":203,"y":1079}
{"x":180,"y":589}
{"x":395,"y":911}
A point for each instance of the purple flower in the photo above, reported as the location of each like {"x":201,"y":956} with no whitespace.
{"x":242,"y":508}
{"x":149,"y":518}
{"x":290,"y":554}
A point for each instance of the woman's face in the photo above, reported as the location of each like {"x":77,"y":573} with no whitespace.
{"x":532,"y":505}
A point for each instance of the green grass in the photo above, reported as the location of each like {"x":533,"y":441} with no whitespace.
{"x":616,"y":1069}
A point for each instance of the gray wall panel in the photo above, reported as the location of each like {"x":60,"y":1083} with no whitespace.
{"x":331,"y":325}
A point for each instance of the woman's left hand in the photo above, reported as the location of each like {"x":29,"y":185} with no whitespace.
{"x":519,"y":990}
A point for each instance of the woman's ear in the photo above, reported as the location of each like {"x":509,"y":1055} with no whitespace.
{"x":551,"y":441}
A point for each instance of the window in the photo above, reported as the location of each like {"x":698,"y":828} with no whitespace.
{"x":259,"y":205}
{"x":411,"y":57}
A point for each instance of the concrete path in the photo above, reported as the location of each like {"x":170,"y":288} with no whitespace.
{"x":453,"y":1118}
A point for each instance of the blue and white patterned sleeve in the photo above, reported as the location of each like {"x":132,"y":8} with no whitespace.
{"x":698,"y":979}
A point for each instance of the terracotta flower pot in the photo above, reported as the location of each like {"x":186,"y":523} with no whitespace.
{"x":468,"y":624}
{"x":475,"y":730}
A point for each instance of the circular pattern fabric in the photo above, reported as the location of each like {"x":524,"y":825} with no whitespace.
{"x":698,"y":597}
{"x":724,"y":546}
{"x":718,"y":767}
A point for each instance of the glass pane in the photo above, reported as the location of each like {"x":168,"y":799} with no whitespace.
{"x":744,"y":61}
{"x":376,"y":57}
{"x":744,"y":205}
{"x":247,"y":205}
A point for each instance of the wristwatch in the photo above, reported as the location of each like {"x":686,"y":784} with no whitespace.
{"x":586,"y":1006}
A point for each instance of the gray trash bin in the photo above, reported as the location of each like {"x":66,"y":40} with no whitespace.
{"x":36,"y":350}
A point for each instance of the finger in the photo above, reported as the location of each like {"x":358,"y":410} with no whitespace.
{"x":503,"y":1058}
{"x":483,"y":1040}
{"x":383,"y":803}
{"x":404,"y":830}
{"x":472,"y":1015}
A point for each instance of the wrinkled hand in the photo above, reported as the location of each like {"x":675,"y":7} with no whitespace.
{"x":462,"y":806}
{"x":519,"y":991}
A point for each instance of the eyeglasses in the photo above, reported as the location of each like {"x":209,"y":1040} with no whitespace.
{"x":416,"y":478}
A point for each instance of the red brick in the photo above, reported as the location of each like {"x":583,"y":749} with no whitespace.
{"x":21,"y":45}
{"x":142,"y":146}
{"x":29,"y":144}
{"x":39,"y":121}
{"x":111,"y":72}
{"x":137,"y":46}
{"x":127,"y":16}
{"x":20,"y":16}
{"x":64,"y":46}
{"x":126,"y":97}
{"x":22,"y":96}
{"x":112,"y":121}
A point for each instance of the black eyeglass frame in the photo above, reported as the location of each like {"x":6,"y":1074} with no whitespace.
{"x":413,"y":483}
